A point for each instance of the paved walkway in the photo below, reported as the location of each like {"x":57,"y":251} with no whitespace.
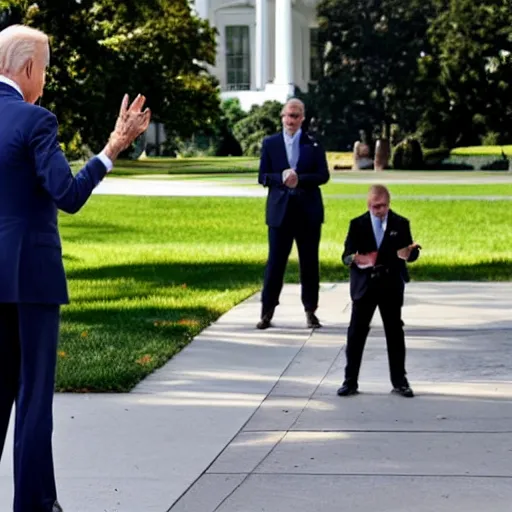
{"x":246,"y":187}
{"x":248,"y":421}
{"x":160,"y":187}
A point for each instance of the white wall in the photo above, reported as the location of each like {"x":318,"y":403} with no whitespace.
{"x":241,"y":12}
{"x":227,"y":13}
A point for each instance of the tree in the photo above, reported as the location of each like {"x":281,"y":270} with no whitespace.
{"x":232,"y":113}
{"x":370,"y":65}
{"x":469,"y":72}
{"x":104,"y":48}
{"x":260,"y":122}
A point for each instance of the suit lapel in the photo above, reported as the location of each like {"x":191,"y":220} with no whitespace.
{"x":367,"y":225}
{"x":304,"y":150}
{"x":389,"y":228}
{"x":281,"y":146}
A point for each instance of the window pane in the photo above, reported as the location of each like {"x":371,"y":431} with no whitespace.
{"x":238,"y":57}
{"x":315,"y":56}
{"x":229,"y":40}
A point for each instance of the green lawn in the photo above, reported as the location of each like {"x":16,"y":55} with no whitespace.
{"x":334,"y":189}
{"x":186,"y":168}
{"x":182,"y":166}
{"x":147,"y":274}
{"x":494,"y":189}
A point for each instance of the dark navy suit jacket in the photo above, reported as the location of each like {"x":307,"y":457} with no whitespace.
{"x":360,"y":238}
{"x":35,"y":181}
{"x":312,"y":171}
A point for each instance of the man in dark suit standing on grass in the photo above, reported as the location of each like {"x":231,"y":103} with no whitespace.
{"x":293,"y":166}
{"x":35,"y":182}
{"x":377,"y":247}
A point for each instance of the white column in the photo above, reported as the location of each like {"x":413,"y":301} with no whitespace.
{"x":202,"y":8}
{"x":284,"y":43}
{"x":261,"y":43}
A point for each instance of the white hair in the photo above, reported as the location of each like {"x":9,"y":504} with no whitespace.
{"x":295,"y":102}
{"x":19,"y":44}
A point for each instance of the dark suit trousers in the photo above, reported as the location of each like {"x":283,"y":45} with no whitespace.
{"x":280,"y":241}
{"x":389,"y":302}
{"x":28,"y":351}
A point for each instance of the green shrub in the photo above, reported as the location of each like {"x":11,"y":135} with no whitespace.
{"x":75,"y":148}
{"x":433,"y":158}
{"x":196,"y":146}
{"x":408,"y":155}
{"x":491,"y":139}
{"x":261,"y":121}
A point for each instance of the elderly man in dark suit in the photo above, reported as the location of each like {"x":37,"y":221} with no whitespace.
{"x":293,"y":166}
{"x":377,"y":247}
{"x":35,"y":182}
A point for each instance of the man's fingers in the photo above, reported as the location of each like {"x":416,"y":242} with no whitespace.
{"x":124,"y":105}
{"x":147,"y":118}
{"x":143,"y":119}
{"x":138,"y":103}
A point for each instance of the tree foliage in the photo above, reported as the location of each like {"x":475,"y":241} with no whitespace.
{"x":260,"y":122}
{"x":469,"y":73}
{"x":104,"y":48}
{"x":438,"y":68}
{"x":370,"y":66}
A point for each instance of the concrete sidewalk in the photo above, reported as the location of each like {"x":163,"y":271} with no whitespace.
{"x":247,"y":421}
{"x":247,"y":186}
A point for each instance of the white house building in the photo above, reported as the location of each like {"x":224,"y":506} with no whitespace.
{"x":264,"y":47}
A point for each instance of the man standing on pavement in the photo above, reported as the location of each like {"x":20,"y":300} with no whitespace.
{"x":377,"y":247}
{"x":293,"y":166}
{"x":35,"y":182}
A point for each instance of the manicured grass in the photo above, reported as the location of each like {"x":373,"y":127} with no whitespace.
{"x":202,"y":166}
{"x":482,"y":150}
{"x":428,"y":190}
{"x":147,"y":274}
{"x":183,"y":166}
{"x":485,"y":189}
{"x":198,"y":168}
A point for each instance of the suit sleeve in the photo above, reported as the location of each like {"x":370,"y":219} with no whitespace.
{"x":67,"y":191}
{"x":415,"y":253}
{"x":350,"y":244}
{"x":266,"y":177}
{"x":321,"y":176}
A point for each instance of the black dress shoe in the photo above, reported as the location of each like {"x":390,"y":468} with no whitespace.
{"x":264,"y":323}
{"x":404,"y":390}
{"x":313,"y":322}
{"x":347,"y":390}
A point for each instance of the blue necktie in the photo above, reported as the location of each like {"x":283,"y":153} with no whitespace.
{"x":294,"y":157}
{"x":379,"y":232}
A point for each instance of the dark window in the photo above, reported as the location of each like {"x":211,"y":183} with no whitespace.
{"x":238,"y":58}
{"x":316,"y":53}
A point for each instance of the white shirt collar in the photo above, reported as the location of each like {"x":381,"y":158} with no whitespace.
{"x":384,"y":223}
{"x":291,"y":138}
{"x":12,"y":83}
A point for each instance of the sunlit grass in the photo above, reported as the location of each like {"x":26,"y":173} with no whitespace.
{"x":147,"y":274}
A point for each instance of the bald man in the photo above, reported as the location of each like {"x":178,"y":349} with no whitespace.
{"x":293,"y":166}
{"x":35,"y":182}
{"x":377,"y":247}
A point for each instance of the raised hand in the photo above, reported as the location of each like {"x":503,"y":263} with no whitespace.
{"x":131,"y":122}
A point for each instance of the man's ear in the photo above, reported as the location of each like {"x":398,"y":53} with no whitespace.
{"x":29,"y":67}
